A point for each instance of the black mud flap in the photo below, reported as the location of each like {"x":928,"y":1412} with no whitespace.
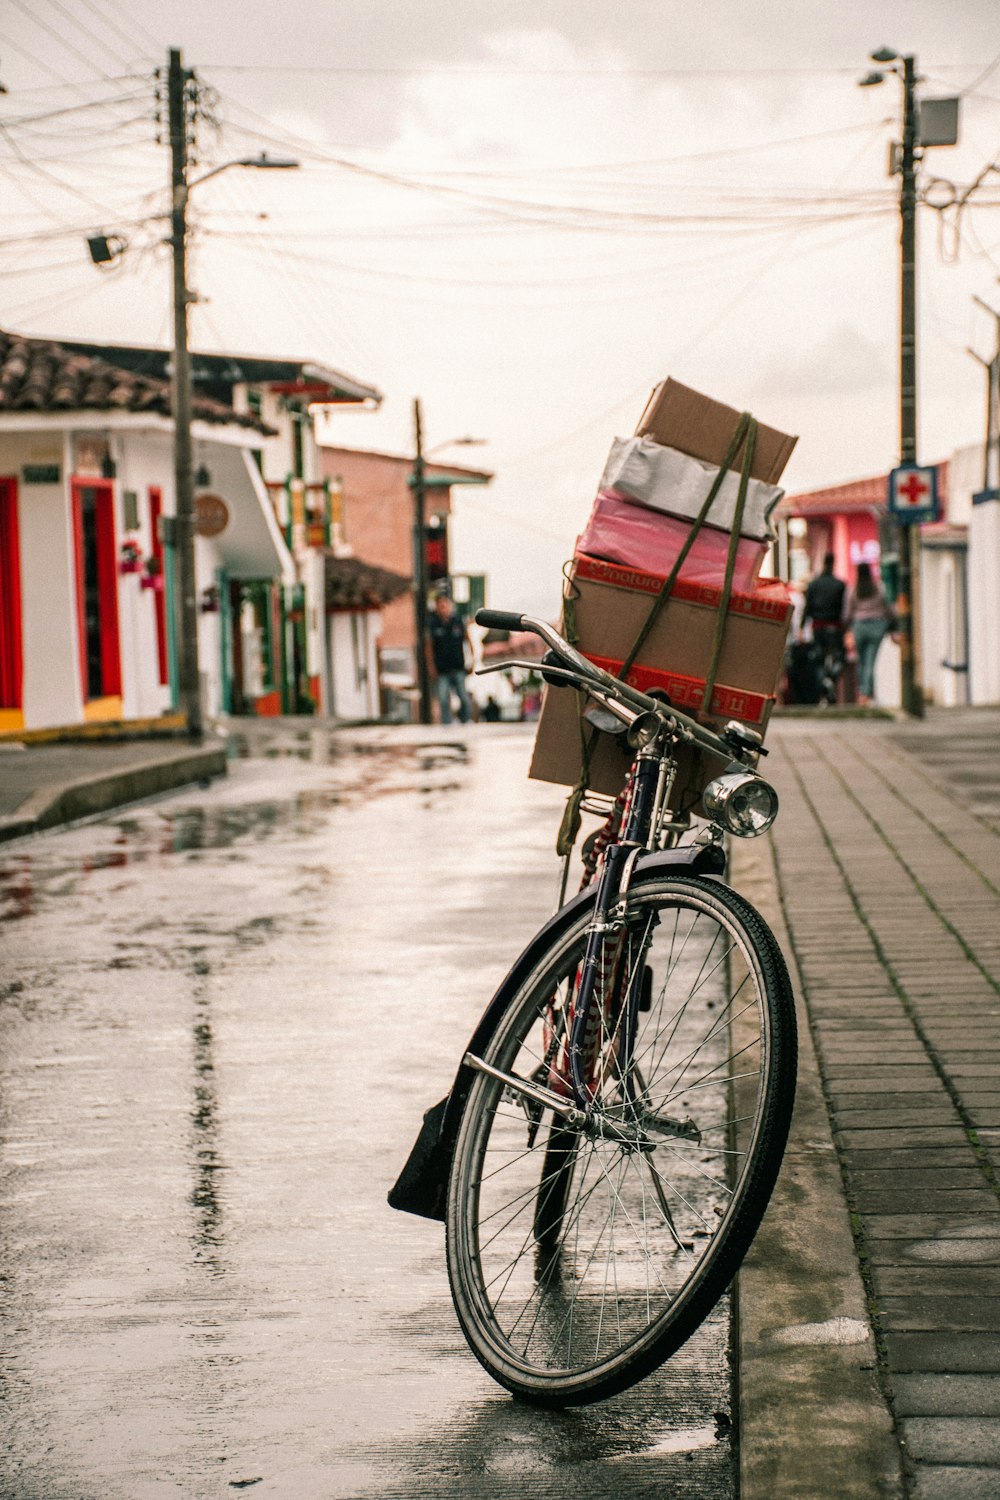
{"x":422,"y":1185}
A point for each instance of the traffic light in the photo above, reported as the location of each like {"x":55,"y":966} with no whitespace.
{"x":436,"y":549}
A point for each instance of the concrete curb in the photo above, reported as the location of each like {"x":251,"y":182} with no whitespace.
{"x":65,"y":802}
{"x":812,"y":1418}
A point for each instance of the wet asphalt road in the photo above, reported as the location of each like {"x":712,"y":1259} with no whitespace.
{"x":221,"y":1018}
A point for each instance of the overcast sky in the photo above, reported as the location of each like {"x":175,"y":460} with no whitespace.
{"x":525,"y":215}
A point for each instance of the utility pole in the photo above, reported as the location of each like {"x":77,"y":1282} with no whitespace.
{"x":991,"y":448}
{"x":417,"y":485}
{"x":908,"y":537}
{"x":185,"y":601}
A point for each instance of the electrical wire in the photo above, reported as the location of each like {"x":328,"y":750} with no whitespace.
{"x":488,"y":70}
{"x":112,"y":26}
{"x":39,"y":270}
{"x":980,"y":77}
{"x":32,"y":13}
{"x":678,"y":356}
{"x":523,"y":211}
{"x":86,"y":31}
{"x":50,"y":303}
{"x":38,"y":62}
{"x":625,"y":280}
{"x":619,"y":167}
{"x":17,"y":121}
{"x":43,"y":172}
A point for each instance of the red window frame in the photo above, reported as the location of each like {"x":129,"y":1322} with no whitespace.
{"x":11,"y":628}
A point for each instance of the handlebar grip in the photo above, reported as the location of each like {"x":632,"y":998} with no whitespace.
{"x":499,"y":619}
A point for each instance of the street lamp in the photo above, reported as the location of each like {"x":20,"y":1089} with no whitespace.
{"x":906,"y":537}
{"x":186,"y":604}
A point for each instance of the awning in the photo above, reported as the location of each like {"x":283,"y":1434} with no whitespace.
{"x":250,"y":545}
{"x":353,"y":584}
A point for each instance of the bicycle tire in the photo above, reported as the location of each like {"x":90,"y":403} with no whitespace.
{"x":575,"y":1275}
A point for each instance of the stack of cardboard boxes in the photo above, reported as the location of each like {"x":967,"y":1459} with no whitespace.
{"x":653,"y":487}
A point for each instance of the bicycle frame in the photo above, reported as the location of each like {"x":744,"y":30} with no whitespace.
{"x":422,"y":1185}
{"x":649,"y":786}
{"x":655,"y":729}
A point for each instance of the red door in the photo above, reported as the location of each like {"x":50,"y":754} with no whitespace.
{"x":96,"y":588}
{"x":11,"y":661}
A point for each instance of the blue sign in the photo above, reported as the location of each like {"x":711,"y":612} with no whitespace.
{"x":913,"y":495}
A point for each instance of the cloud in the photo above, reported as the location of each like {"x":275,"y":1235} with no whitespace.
{"x":844,"y":361}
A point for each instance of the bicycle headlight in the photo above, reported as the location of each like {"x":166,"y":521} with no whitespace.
{"x":743,"y":803}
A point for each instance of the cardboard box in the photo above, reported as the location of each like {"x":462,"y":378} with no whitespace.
{"x":610,"y":605}
{"x":673,"y":482}
{"x":681,"y":418}
{"x":558,"y":754}
{"x":635,"y":537}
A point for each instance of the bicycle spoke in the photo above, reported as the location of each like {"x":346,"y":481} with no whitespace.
{"x":573,"y":1248}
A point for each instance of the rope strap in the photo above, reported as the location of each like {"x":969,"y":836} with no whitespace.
{"x":745,"y":436}
{"x":746,"y":428}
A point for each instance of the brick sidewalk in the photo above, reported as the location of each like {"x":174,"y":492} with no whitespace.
{"x":890,"y":880}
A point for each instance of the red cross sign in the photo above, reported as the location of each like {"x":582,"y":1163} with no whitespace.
{"x":913,"y":495}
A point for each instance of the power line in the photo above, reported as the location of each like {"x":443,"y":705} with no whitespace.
{"x":32,"y":14}
{"x":86,"y":31}
{"x":722,"y":154}
{"x":981,"y":77}
{"x":66,"y":83}
{"x":38,"y":62}
{"x":488,"y":70}
{"x":759,"y":273}
{"x":99,"y":145}
{"x":525,"y":211}
{"x":66,"y":187}
{"x":37,"y":270}
{"x":75,"y":109}
{"x":112,"y":26}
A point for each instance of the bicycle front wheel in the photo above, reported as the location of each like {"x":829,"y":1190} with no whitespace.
{"x":580,"y":1259}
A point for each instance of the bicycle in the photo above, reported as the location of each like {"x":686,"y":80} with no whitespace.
{"x":618,"y":1119}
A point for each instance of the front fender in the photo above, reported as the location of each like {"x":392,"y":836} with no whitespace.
{"x":422,"y":1186}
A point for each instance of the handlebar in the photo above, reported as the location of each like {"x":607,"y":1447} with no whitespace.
{"x":614,"y":687}
{"x":500,"y":619}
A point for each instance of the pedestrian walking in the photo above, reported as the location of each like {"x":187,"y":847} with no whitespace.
{"x":867,"y":615}
{"x":824,"y":610}
{"x":447,"y":645}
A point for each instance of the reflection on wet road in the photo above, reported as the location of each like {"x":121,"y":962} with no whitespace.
{"x":221,"y":1018}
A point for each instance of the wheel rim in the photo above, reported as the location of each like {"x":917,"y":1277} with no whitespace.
{"x":572,"y":1254}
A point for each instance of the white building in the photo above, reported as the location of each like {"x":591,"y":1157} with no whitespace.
{"x":86,"y":543}
{"x":311,"y":646}
{"x":86,"y":498}
{"x":957,"y":585}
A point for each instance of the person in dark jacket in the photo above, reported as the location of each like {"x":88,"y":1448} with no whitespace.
{"x":447,"y":641}
{"x":824,"y":608}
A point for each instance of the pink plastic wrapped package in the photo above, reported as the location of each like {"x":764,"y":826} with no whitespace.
{"x":620,"y":531}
